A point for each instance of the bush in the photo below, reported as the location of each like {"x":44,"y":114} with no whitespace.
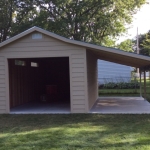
{"x":120,"y":85}
{"x":110,"y":85}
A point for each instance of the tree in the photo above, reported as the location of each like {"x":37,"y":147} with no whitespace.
{"x":144,"y":44}
{"x":91,"y":21}
{"x":6,"y":15}
{"x":94,"y":21}
{"x":126,"y":45}
{"x":13,"y":13}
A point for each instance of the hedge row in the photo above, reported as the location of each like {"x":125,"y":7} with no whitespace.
{"x":120,"y":85}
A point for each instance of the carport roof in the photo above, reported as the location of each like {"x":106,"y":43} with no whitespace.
{"x":104,"y":53}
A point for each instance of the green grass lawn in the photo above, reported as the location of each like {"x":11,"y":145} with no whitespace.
{"x":119,"y":92}
{"x":126,"y":92}
{"x":75,"y":132}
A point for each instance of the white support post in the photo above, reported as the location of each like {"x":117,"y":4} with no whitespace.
{"x":144,"y":84}
{"x":140,"y":85}
{"x":137,"y":48}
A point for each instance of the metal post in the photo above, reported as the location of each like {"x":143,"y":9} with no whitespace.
{"x":144,"y":84}
{"x":148,"y":90}
{"x":140,"y":85}
{"x":137,"y":48}
{"x":137,"y":42}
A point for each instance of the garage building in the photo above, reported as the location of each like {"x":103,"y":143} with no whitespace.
{"x":38,"y":65}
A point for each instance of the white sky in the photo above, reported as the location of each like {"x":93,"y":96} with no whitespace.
{"x":141,"y":20}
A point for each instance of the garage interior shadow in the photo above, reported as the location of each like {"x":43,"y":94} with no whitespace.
{"x":39,"y":85}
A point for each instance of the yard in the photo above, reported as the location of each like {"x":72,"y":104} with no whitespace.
{"x":74,"y":132}
{"x":125,"y":91}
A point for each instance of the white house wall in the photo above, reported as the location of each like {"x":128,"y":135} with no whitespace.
{"x":26,"y":47}
{"x":112,"y":72}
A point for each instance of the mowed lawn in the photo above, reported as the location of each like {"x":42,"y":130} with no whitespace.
{"x":126,"y":92}
{"x":75,"y":132}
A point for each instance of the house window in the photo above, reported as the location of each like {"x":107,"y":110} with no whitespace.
{"x":36,"y":36}
{"x":20,"y":63}
{"x":34,"y":64}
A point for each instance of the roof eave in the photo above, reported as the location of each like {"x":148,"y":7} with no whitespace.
{"x":78,"y":43}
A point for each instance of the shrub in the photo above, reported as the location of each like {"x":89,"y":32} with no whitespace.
{"x":120,"y":85}
{"x":110,"y":85}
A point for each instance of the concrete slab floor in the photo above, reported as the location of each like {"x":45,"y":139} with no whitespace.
{"x":121,"y":105}
{"x":41,"y":108}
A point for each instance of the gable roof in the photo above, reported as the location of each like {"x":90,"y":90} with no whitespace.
{"x":104,"y":53}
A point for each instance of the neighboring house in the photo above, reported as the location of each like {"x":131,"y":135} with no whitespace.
{"x":112,"y":72}
{"x":37,"y":61}
{"x":147,"y":74}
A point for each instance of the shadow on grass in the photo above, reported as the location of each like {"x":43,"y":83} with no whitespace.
{"x":75,"y":131}
{"x":29,"y":122}
{"x":61,"y":139}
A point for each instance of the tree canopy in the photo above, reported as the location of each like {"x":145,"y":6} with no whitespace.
{"x":15,"y":14}
{"x":144,"y":43}
{"x":126,"y":45}
{"x":94,"y":21}
{"x":130,"y":45}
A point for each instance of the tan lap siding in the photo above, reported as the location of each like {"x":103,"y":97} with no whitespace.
{"x":78,"y":79}
{"x":50,"y":47}
{"x":2,"y":86}
{"x":92,"y":78}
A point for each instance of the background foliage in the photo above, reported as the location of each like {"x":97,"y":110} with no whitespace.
{"x":94,"y":21}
